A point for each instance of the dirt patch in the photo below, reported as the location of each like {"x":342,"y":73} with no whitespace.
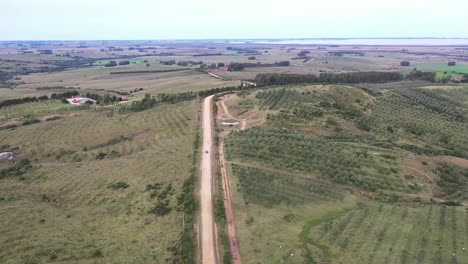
{"x":11,"y":122}
{"x":416,"y":172}
{"x":462,"y":163}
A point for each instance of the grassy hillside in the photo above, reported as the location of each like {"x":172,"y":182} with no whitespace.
{"x":102,"y":188}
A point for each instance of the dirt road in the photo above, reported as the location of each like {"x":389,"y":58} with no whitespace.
{"x":206,"y":189}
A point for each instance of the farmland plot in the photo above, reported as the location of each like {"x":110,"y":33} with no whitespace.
{"x":86,"y":197}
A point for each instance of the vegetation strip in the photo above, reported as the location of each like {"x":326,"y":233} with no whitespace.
{"x":154,"y":71}
{"x":188,"y":204}
{"x":304,"y":235}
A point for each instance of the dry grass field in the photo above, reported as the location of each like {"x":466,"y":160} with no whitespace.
{"x":66,"y":209}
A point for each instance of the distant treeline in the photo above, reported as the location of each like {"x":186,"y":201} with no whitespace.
{"x":5,"y":76}
{"x":54,"y":96}
{"x":243,"y":50}
{"x":153,"y":101}
{"x":55,"y":88}
{"x":351,"y":77}
{"x":207,"y":54}
{"x":239,"y":66}
{"x":341,"y":53}
{"x":180,"y":63}
{"x":100,"y":99}
{"x":155,"y":71}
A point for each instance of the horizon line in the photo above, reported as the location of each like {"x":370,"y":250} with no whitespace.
{"x":227,"y":39}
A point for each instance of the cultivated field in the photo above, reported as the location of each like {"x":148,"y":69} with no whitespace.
{"x":340,"y":174}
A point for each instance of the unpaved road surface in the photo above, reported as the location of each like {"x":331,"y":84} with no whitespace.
{"x":206,"y":188}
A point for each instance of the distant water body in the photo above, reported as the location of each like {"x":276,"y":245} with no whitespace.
{"x":359,"y":41}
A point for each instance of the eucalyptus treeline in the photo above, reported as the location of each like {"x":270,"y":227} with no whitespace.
{"x":152,"y":101}
{"x":54,"y":96}
{"x":349,"y":77}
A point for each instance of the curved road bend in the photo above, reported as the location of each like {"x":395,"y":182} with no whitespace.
{"x":206,"y":189}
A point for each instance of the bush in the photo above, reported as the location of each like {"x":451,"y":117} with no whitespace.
{"x":110,"y":64}
{"x":16,"y":171}
{"x":162,"y":208}
{"x":53,"y":118}
{"x":31,"y":121}
{"x":97,"y":253}
{"x":452,"y":203}
{"x":405,"y":63}
{"x":8,"y":127}
{"x":101,"y":155}
{"x":119,"y":185}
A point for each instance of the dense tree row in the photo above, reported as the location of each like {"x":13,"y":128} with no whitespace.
{"x":239,"y":66}
{"x":54,"y":96}
{"x":351,"y":77}
{"x":404,"y":63}
{"x":422,"y":76}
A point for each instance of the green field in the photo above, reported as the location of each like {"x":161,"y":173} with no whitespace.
{"x":443,"y":69}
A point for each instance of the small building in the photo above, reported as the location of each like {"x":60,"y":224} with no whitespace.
{"x":123,"y":100}
{"x":78,"y":100}
{"x":224,"y":68}
{"x":458,"y":80}
{"x":229,"y":123}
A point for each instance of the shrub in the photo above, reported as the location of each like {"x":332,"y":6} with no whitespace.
{"x":53,"y":118}
{"x":97,"y":253}
{"x":31,"y":121}
{"x":119,"y":185}
{"x":162,"y":208}
{"x":405,"y":63}
{"x":16,"y":171}
{"x":8,"y":127}
{"x":101,"y":155}
{"x":110,"y":64}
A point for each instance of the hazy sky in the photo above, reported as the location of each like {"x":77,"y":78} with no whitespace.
{"x":199,"y":19}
